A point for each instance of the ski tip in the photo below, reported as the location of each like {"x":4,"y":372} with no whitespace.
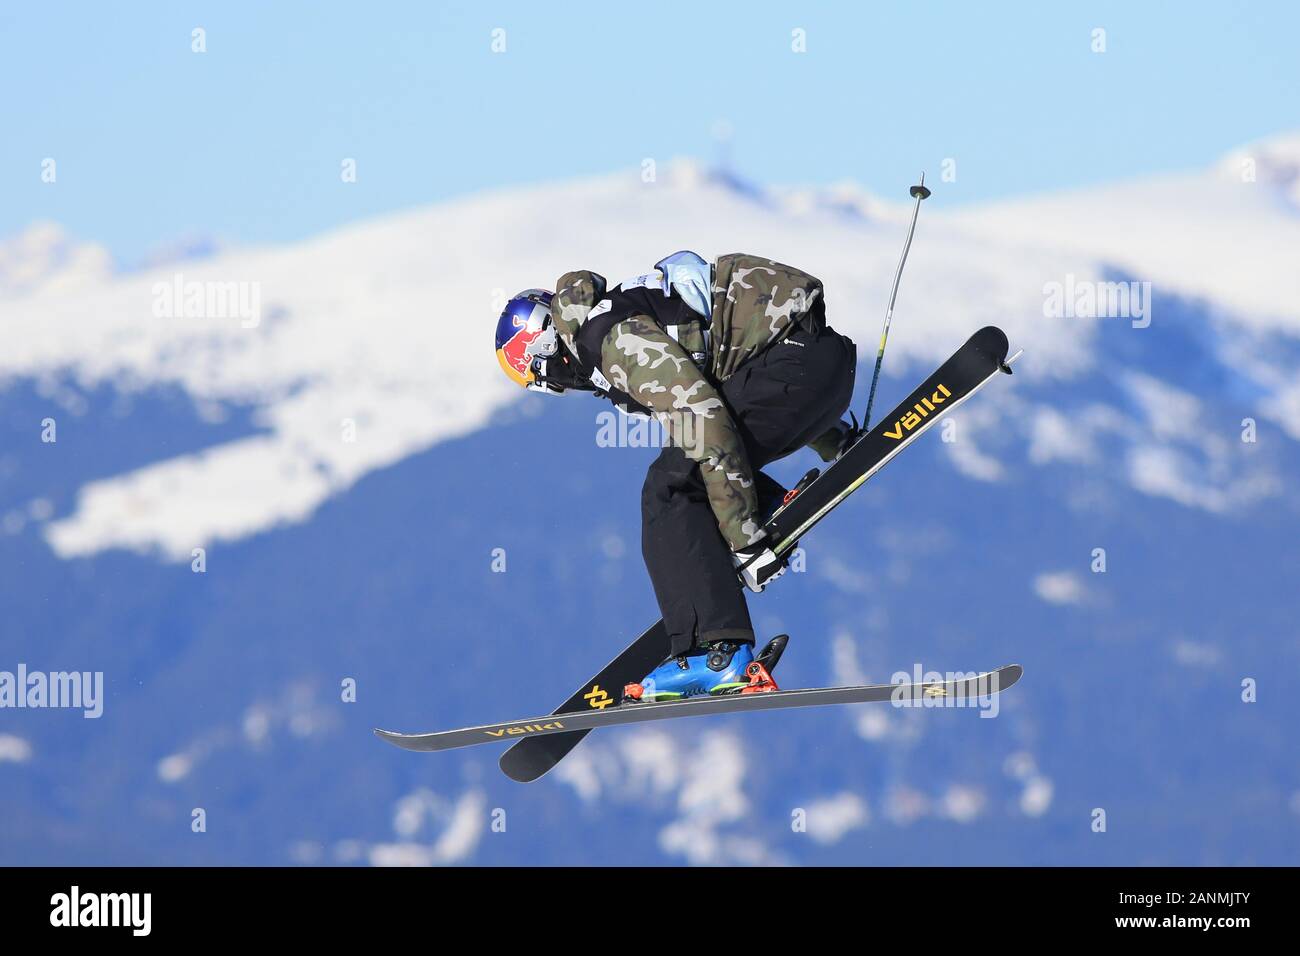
{"x":992,"y":342}
{"x":394,"y":738}
{"x":1009,"y":675}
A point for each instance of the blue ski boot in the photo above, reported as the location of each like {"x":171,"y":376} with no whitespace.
{"x":717,"y":669}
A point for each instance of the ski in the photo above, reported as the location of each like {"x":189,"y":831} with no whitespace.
{"x":961,"y":691}
{"x":982,"y":356}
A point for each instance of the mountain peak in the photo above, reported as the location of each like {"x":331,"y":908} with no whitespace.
{"x":44,"y":253}
{"x":1274,"y":161}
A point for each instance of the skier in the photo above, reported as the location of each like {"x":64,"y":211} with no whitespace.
{"x":735,"y":359}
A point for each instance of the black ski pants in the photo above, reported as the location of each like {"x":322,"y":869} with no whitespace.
{"x":783,"y":398}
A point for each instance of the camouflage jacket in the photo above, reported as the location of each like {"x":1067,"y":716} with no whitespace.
{"x":664,"y":342}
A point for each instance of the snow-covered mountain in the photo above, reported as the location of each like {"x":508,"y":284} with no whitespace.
{"x":327,"y":420}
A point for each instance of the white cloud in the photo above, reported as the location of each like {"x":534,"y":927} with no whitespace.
{"x":1196,"y":653}
{"x":1036,"y":798}
{"x":1284,"y":408}
{"x":1036,"y":789}
{"x":873,"y":723}
{"x":1019,"y":765}
{"x":1060,"y":587}
{"x":701,"y":776}
{"x":651,"y":760}
{"x":852,"y":579}
{"x":904,"y":805}
{"x":1054,"y":436}
{"x":1171,"y":413}
{"x":845,"y":669}
{"x":711,"y":797}
{"x":457,"y":829}
{"x":972,"y":462}
{"x":14,"y":749}
{"x":297,"y":711}
{"x":1174,"y":455}
{"x":1167,"y":473}
{"x":175,"y":767}
{"x":578,"y":770}
{"x":830,"y":819}
{"x":962,"y":804}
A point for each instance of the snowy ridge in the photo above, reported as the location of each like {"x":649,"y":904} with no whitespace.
{"x":1228,"y":235}
{"x":44,"y":257}
{"x":250,"y":690}
{"x":370,"y":343}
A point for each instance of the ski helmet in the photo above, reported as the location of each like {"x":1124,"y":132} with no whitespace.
{"x":526,"y":337}
{"x":529,"y":348}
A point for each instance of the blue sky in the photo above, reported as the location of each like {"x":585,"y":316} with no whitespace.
{"x":245,"y":141}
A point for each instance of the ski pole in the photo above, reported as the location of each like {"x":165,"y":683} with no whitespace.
{"x":918,"y":192}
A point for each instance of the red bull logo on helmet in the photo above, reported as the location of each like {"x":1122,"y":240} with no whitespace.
{"x":515,"y":355}
{"x":523,"y":333}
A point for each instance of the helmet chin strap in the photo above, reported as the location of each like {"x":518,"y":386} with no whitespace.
{"x":569,"y":375}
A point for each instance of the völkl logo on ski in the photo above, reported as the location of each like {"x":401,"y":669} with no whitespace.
{"x":525,"y":729}
{"x":919,"y":412}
